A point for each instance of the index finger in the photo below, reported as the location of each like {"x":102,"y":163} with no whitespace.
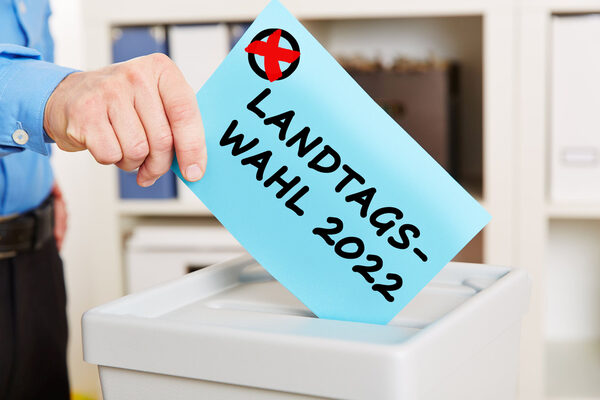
{"x":186,"y":123}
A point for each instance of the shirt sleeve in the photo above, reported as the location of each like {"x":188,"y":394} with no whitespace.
{"x":26,"y":83}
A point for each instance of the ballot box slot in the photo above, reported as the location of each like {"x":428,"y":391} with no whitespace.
{"x":195,"y":267}
{"x":262,"y":308}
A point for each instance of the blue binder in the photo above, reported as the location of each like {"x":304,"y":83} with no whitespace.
{"x":128,"y":43}
{"x":131,"y":42}
{"x":236,"y":31}
{"x":164,"y":188}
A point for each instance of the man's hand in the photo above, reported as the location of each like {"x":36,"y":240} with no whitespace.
{"x":130,"y":114}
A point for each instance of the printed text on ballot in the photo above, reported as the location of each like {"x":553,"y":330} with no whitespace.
{"x":387,"y":221}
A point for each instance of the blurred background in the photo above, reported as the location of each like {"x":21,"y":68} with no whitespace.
{"x":504,"y":95}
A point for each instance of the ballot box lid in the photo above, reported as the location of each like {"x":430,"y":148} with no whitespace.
{"x":233,"y":323}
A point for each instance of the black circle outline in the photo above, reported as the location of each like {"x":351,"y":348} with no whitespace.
{"x":291,"y":40}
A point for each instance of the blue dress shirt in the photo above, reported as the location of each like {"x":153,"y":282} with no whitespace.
{"x":27,"y":78}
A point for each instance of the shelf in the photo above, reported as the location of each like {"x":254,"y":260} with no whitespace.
{"x":573,"y":210}
{"x":184,"y":11}
{"x":573,"y":398}
{"x":154,"y":208}
{"x":568,"y":6}
{"x":573,"y":370}
{"x":170,"y":208}
{"x":564,"y":6}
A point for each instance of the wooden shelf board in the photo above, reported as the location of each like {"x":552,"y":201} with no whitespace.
{"x":174,"y":207}
{"x":572,"y":398}
{"x":575,"y":6}
{"x":184,"y":11}
{"x":161,"y":208}
{"x":573,"y":210}
{"x":563,"y":6}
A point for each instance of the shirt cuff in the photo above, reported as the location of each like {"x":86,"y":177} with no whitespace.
{"x":24,"y":91}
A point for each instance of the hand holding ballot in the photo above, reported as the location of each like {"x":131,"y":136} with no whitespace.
{"x":131,"y":114}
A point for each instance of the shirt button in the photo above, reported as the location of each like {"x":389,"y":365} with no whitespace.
{"x":22,"y":7}
{"x":20,"y":136}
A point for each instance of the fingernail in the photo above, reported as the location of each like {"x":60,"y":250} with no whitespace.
{"x":193,"y":172}
{"x":148,"y":182}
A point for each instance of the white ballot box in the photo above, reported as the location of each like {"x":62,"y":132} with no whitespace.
{"x":232,"y":332}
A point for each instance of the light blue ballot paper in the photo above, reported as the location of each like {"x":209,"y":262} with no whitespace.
{"x":318,"y":183}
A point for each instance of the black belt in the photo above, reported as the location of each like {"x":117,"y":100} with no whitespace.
{"x":28,"y":231}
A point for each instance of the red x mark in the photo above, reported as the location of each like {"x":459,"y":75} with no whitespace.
{"x":272,"y":53}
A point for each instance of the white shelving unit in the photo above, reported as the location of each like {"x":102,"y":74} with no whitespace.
{"x":515,"y":113}
{"x":157,"y":208}
{"x":100,"y":16}
{"x":571,"y":370}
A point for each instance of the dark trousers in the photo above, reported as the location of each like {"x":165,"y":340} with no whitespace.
{"x":33,"y":326}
